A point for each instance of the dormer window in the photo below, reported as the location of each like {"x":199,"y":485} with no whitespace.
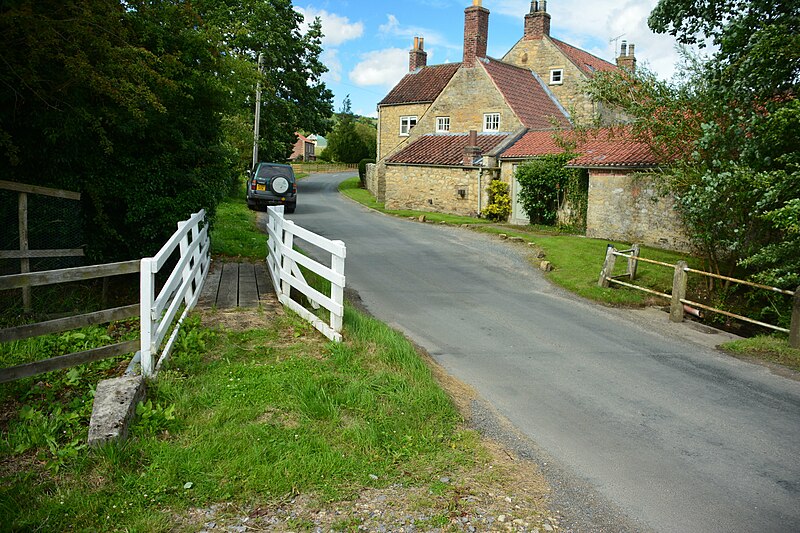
{"x":406,"y":123}
{"x":556,"y":76}
{"x":491,"y":122}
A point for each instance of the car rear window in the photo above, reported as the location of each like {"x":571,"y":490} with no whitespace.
{"x":271,"y":172}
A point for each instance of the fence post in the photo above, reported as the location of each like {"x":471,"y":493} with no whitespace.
{"x":286,"y":263}
{"x":679,"y":281}
{"x":146,"y":297}
{"x":633,"y":262}
{"x":184,"y":246}
{"x":337,"y":292}
{"x":794,"y":329}
{"x":608,"y":267}
{"x":25,"y":262}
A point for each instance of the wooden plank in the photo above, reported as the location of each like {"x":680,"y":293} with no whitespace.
{"x":227,"y":296}
{"x":65,"y":275}
{"x":42,"y":191}
{"x":66,"y":361}
{"x":38,"y":254}
{"x":65,"y":324}
{"x":210,"y":288}
{"x":248,"y":289}
{"x":265,"y":288}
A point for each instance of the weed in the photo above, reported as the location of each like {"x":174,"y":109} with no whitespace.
{"x":154,"y":418}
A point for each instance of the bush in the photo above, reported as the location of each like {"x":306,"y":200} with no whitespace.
{"x":542,"y":181}
{"x":499,"y":207}
{"x":362,"y":170}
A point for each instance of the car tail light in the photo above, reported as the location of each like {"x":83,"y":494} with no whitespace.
{"x":253,"y":185}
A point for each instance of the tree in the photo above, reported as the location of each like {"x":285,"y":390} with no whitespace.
{"x":729,"y":130}
{"x":142,"y":105}
{"x":344,"y":143}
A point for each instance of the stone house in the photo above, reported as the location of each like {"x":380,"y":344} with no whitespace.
{"x":444,"y":131}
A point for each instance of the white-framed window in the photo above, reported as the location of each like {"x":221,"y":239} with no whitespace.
{"x":442,"y":124}
{"x":491,"y":122}
{"x":556,"y":76}
{"x":406,"y":123}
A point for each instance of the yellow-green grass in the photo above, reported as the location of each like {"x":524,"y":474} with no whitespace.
{"x":234,"y":232}
{"x":773,"y":349}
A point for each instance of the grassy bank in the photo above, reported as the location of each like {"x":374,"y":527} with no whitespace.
{"x":577,"y":262}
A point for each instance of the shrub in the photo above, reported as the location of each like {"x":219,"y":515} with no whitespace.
{"x":544,"y":183}
{"x":499,"y":207}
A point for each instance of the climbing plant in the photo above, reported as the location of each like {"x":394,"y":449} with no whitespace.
{"x":545,"y":184}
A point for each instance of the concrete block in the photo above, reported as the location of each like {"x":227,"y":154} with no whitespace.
{"x":114,"y":408}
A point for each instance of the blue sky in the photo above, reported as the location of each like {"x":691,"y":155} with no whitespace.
{"x":366,"y":42}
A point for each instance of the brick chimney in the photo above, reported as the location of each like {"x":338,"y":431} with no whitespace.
{"x":627,"y":59}
{"x":476,"y":32}
{"x":471,"y":151}
{"x":537,"y":22}
{"x":417,"y":57}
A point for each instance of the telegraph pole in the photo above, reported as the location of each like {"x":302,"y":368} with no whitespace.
{"x":258,"y":110}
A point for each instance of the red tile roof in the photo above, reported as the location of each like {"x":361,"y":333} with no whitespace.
{"x":585,"y":61}
{"x":525,"y":94}
{"x":423,"y":85}
{"x":602,"y":149}
{"x":532,"y":144}
{"x":615,"y":153}
{"x":443,"y":149}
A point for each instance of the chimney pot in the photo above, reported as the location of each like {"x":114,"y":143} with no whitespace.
{"x":417,"y":57}
{"x":537,"y":22}
{"x":627,"y":59}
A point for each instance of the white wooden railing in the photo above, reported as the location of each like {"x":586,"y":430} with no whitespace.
{"x":283,"y":261}
{"x":182,"y":288}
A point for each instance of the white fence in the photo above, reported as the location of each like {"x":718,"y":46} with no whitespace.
{"x":283,"y":261}
{"x":182,"y":288}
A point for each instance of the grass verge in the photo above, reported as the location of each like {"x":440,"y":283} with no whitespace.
{"x":250,"y":418}
{"x":772,"y":349}
{"x":234,"y":230}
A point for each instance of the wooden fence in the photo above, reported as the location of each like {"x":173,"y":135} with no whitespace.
{"x":24,"y":254}
{"x":283,"y":261}
{"x":157,"y":314}
{"x":679,"y":283}
{"x":314,"y":168}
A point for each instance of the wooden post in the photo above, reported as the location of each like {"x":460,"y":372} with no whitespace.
{"x":608,"y":267}
{"x":24,"y":262}
{"x":146,"y":297}
{"x":337,"y":292}
{"x":794,"y":329}
{"x":286,"y":262}
{"x":633,"y":262}
{"x":679,"y":282}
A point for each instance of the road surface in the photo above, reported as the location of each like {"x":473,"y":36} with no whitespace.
{"x":663,"y":433}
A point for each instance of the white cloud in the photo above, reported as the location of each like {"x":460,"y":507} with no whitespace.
{"x":432,"y":37}
{"x":330,"y":58}
{"x":381,"y":67}
{"x":336,"y":28}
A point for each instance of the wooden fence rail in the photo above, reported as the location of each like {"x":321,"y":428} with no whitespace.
{"x":679,"y":284}
{"x":283,"y":261}
{"x":156,"y":313}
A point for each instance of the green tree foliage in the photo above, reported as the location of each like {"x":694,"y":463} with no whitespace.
{"x":362,"y":170}
{"x":139,"y":105}
{"x":345,"y":145}
{"x":543,"y":182}
{"x":729,"y":129}
{"x":368,"y":132}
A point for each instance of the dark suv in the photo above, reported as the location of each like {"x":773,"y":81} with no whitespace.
{"x":272,"y":184}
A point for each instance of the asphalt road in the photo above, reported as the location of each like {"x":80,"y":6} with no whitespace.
{"x":675,"y":436}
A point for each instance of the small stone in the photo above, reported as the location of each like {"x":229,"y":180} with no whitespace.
{"x":541,"y":255}
{"x":464,"y":225}
{"x":503,"y":236}
{"x":517,"y":239}
{"x":547,"y":527}
{"x":422,"y":218}
{"x":546,"y":266}
{"x":519,"y":522}
{"x":373,"y":477}
{"x":501,"y":518}
{"x":531,"y":244}
{"x":443,"y":222}
{"x":507,"y":499}
{"x":444,"y":479}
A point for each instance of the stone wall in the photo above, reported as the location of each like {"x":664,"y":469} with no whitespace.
{"x":376,"y":181}
{"x":389,"y":138}
{"x":627,"y":207}
{"x":436,"y":189}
